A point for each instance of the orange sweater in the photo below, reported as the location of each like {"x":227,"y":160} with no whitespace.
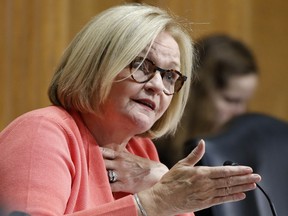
{"x":51,"y":165}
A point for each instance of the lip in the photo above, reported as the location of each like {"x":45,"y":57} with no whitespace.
{"x":146,"y":102}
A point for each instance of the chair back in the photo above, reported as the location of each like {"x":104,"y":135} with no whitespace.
{"x":259,"y":141}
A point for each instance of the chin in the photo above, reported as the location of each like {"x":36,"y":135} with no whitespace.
{"x":142,"y":125}
{"x":143,"y":128}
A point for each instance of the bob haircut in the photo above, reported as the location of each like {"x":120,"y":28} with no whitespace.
{"x":221,"y":57}
{"x":104,"y":47}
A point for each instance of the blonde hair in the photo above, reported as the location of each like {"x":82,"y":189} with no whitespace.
{"x":104,"y":47}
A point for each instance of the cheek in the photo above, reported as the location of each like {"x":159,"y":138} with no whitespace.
{"x":163,"y":106}
{"x":165,"y":103}
{"x":118,"y":97}
{"x":222,"y":110}
{"x":124,"y":89}
{"x":218,"y":105}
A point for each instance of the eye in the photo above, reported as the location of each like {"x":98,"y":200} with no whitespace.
{"x":143,"y":66}
{"x":136,"y":64}
{"x":171,"y":76}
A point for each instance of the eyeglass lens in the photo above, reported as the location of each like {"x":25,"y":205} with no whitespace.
{"x":144,"y":70}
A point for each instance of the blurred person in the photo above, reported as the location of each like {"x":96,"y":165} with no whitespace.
{"x":122,"y":81}
{"x":227,"y":77}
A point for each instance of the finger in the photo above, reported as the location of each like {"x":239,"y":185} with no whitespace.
{"x":196,"y":154}
{"x":108,"y":153}
{"x":229,"y":198}
{"x":237,"y":180}
{"x":119,"y":184}
{"x":228,"y":171}
{"x":227,"y":191}
{"x":110,"y":164}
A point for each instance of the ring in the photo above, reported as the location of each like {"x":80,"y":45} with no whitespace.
{"x":112,"y":176}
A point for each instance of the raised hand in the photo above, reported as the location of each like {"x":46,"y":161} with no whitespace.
{"x":186,"y":188}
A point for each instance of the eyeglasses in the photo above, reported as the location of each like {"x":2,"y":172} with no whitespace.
{"x":142,"y":70}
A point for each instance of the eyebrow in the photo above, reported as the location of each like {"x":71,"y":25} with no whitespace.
{"x":173,"y":64}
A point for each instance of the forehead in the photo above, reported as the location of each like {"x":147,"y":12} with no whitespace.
{"x":164,"y":50}
{"x":245,"y":84}
{"x":241,"y":89}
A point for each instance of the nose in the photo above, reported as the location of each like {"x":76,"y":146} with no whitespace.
{"x":155,"y":84}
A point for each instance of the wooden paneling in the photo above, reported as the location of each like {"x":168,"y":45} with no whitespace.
{"x":207,"y":16}
{"x":34,"y":33}
{"x":269,"y":40}
{"x":261,"y":24}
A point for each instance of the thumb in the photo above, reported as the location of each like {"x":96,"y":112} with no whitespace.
{"x":196,"y":154}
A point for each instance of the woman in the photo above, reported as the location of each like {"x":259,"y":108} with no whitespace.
{"x":117,"y":86}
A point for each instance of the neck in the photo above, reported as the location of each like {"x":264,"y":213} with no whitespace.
{"x":107,"y":133}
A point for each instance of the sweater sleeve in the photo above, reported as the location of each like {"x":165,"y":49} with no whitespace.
{"x":37,"y":172}
{"x":30,"y":151}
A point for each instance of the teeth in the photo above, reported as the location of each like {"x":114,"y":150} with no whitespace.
{"x":148,"y":105}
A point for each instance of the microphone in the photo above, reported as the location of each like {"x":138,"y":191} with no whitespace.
{"x":231,"y":163}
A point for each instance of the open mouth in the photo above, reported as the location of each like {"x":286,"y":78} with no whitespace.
{"x":147,"y":103}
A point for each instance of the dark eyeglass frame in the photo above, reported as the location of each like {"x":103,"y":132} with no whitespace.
{"x":178,"y":83}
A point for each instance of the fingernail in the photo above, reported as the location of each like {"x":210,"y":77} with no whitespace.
{"x":249,"y":169}
{"x":257,"y":177}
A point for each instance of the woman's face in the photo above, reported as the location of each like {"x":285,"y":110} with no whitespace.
{"x":232,"y":100}
{"x":137,"y":106}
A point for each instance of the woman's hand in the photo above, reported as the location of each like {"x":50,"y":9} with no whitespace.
{"x":134,"y":173}
{"x":186,"y":188}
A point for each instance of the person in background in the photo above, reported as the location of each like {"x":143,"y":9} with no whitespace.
{"x":122,"y":81}
{"x":227,"y":77}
